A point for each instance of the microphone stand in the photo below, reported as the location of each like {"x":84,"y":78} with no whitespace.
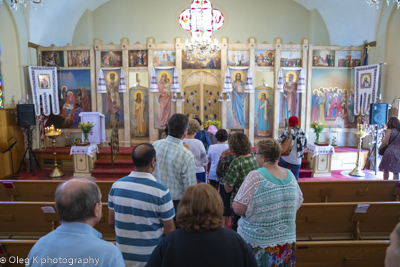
{"x":12,"y":163}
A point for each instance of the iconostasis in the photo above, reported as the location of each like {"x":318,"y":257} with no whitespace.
{"x":311,"y":82}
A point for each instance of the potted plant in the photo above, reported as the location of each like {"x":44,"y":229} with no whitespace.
{"x":318,"y":128}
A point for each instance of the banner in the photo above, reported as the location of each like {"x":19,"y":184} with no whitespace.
{"x":366,"y":83}
{"x":44,"y":84}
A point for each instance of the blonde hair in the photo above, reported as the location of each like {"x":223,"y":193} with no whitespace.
{"x":270,"y":149}
{"x":194,"y":127}
{"x":200,"y":208}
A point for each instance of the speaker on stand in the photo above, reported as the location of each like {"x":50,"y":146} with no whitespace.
{"x":26,"y":118}
{"x":378,"y":115}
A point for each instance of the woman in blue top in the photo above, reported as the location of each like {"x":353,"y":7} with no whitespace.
{"x":268,"y":201}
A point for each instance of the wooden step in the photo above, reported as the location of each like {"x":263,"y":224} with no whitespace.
{"x":118,"y":164}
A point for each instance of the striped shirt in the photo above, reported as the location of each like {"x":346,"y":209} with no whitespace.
{"x":176,"y":168}
{"x":140,"y":205}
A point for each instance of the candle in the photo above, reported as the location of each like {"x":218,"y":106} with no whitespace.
{"x":380,"y":96}
{"x":27,"y":97}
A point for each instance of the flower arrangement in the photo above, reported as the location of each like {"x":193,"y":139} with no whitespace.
{"x":207,"y":124}
{"x":86,"y":128}
{"x":318,"y":128}
{"x":76,"y":141}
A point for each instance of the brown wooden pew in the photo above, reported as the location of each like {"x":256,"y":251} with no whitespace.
{"x":40,"y":190}
{"x":350,"y":191}
{"x":308,"y":254}
{"x":313,"y":191}
{"x":338,"y":221}
{"x":341,"y":253}
{"x":22,"y":220}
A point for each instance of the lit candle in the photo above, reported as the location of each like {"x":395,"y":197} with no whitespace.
{"x":380,"y":96}
{"x":27,"y":97}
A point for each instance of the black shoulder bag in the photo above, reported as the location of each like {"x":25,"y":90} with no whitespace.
{"x":383,"y":149}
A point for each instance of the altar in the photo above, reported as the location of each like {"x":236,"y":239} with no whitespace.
{"x":320,"y":159}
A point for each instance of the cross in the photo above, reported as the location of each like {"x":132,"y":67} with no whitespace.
{"x":368,"y":47}
{"x":81,"y":160}
{"x":201,"y":75}
{"x":322,"y":160}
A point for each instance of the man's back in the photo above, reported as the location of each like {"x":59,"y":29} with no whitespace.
{"x":175,"y":166}
{"x":140,"y":206}
{"x":74,"y":244}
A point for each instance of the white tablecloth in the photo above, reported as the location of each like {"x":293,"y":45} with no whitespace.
{"x":320,"y":150}
{"x":84,"y":150}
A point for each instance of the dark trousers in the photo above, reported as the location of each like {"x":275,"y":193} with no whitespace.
{"x":176,"y":204}
{"x":214,"y":184}
{"x":234,"y":221}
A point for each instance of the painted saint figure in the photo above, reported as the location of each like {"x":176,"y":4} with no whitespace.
{"x":314,"y":106}
{"x":335,"y":107}
{"x":263,"y":116}
{"x":113,"y":101}
{"x":69,"y":106}
{"x":350,"y":107}
{"x":139,"y":110}
{"x":86,"y":102}
{"x":239,"y":97}
{"x":321,"y":104}
{"x":289,"y":98}
{"x":164,"y":98}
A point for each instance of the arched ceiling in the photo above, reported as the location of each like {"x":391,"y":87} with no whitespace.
{"x":348,"y":22}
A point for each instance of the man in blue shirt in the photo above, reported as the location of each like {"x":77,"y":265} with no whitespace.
{"x":75,"y":242}
{"x":140,"y":208}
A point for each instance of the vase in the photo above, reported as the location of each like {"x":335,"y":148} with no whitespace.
{"x":317,"y":139}
{"x":86,"y":137}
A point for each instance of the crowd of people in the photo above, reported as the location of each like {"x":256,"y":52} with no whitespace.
{"x":166,"y":214}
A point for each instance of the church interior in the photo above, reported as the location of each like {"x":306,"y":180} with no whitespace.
{"x":127,"y":66}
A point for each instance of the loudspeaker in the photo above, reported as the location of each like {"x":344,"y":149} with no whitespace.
{"x":378,"y":114}
{"x":26,"y":115}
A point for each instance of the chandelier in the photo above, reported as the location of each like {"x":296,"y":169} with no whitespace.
{"x":15,"y":3}
{"x":377,"y":2}
{"x":202,"y":46}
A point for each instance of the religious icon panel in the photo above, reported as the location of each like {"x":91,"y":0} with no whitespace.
{"x":138,"y":58}
{"x":201,"y":61}
{"x":1,"y":84}
{"x":332,"y":101}
{"x":263,"y":112}
{"x":324,"y":58}
{"x":111,"y":59}
{"x":164,"y":58}
{"x":238,"y":107}
{"x":289,"y":98}
{"x":163,"y":98}
{"x":79,"y":58}
{"x":238,"y":58}
{"x":53,"y":58}
{"x":192,"y":104}
{"x":74,"y":92}
{"x":264,"y":58}
{"x":211,"y":104}
{"x":139,"y":112}
{"x":113,"y":102}
{"x":291,"y":58}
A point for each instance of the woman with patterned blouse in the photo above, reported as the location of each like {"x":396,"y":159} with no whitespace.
{"x":268,"y":201}
{"x":244,"y":163}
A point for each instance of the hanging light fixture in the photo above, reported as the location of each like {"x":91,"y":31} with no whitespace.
{"x":377,"y":2}
{"x":15,"y":3}
{"x":201,"y":19}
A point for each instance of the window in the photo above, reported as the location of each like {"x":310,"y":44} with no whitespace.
{"x":201,"y":19}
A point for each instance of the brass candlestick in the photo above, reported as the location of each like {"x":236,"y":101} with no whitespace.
{"x":360,"y":134}
{"x":53,"y":134}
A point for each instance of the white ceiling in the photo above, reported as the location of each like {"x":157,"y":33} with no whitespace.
{"x":348,"y":21}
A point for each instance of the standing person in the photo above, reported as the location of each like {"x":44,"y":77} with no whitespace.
{"x":140,"y":209}
{"x":244,"y":163}
{"x":391,"y":158}
{"x":272,"y":196}
{"x":299,"y":142}
{"x":211,"y":131}
{"x":222,"y":168}
{"x":175,"y":167}
{"x":214,"y":153}
{"x":203,"y":136}
{"x":198,"y":150}
{"x":392,"y":258}
{"x":78,"y":203}
{"x":196,"y":244}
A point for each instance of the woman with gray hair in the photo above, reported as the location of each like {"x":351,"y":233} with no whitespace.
{"x":197,"y":149}
{"x":268,"y":201}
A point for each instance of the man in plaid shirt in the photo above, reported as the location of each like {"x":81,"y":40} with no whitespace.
{"x":222,"y":168}
{"x":175,"y":164}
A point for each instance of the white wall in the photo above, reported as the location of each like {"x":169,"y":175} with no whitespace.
{"x":263,"y":20}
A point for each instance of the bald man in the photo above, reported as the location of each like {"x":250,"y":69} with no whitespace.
{"x":393,"y":251}
{"x":75,"y":242}
{"x":140,"y":209}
